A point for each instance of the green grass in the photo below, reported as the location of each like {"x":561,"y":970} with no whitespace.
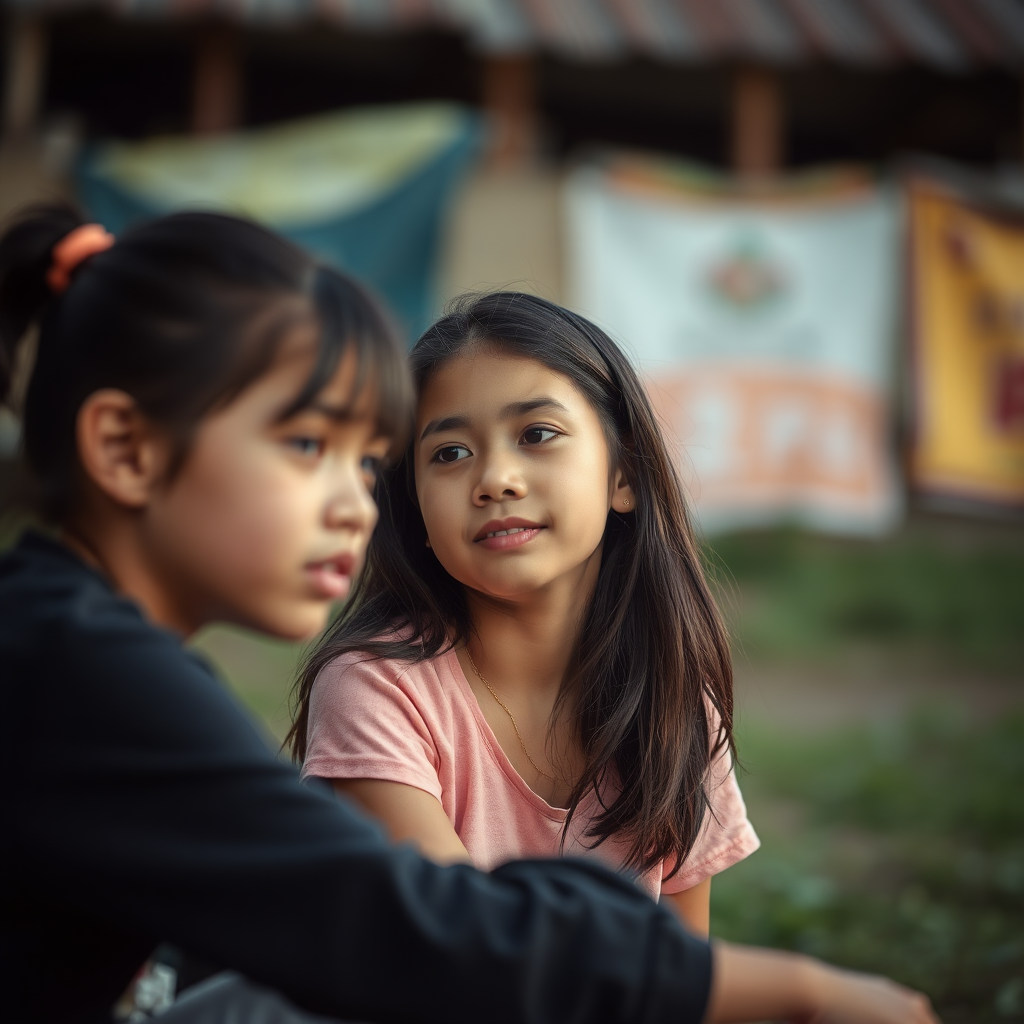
{"x":953,"y":596}
{"x":895,"y":849}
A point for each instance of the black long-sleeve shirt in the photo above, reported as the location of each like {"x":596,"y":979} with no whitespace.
{"x":140,"y":805}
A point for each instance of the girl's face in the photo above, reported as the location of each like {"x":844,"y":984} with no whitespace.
{"x":267,"y":521}
{"x":513,"y":475}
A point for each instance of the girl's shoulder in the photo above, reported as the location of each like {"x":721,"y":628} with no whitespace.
{"x":353,"y":677}
{"x":374,"y":705}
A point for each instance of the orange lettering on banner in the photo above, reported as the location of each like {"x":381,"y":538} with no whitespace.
{"x":768,"y":438}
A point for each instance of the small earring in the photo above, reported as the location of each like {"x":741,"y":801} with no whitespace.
{"x":625,"y":501}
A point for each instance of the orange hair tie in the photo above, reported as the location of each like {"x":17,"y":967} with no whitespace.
{"x":77,"y":245}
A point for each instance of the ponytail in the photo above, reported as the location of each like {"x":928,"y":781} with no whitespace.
{"x":26,"y":251}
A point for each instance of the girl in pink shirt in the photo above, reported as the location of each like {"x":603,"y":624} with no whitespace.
{"x":533,"y":662}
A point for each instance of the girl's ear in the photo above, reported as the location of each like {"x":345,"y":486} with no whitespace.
{"x":119,"y":451}
{"x":622,"y":494}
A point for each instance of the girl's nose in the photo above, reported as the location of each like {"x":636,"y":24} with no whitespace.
{"x":351,"y":507}
{"x":500,"y":480}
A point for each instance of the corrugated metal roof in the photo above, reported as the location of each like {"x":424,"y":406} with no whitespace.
{"x":951,"y":35}
{"x":765,"y":29}
{"x":841,"y":31}
{"x":918,"y":30}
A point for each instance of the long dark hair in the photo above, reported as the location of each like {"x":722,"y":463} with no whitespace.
{"x":182,"y":313}
{"x":652,"y":656}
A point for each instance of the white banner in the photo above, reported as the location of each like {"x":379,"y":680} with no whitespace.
{"x":766,"y":331}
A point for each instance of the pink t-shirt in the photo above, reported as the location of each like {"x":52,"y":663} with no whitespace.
{"x":420,"y":724}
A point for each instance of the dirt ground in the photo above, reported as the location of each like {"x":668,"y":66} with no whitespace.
{"x":781,"y":698}
{"x":801,"y":696}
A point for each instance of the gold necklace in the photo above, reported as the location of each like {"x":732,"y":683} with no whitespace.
{"x":490,"y":689}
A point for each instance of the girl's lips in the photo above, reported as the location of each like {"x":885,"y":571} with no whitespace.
{"x":332,"y":579}
{"x":515,"y":537}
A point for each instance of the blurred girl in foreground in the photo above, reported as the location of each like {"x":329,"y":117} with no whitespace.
{"x":204,"y":422}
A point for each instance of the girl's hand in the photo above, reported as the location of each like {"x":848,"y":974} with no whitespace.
{"x":846,"y":997}
{"x":761,"y":984}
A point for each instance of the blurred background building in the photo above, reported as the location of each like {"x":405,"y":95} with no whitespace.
{"x":752,"y":86}
{"x":805,"y":218}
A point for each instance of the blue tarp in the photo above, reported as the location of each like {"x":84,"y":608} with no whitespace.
{"x":367,"y":189}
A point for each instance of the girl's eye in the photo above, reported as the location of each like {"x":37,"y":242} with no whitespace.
{"x":371,"y":466}
{"x":538,"y":435}
{"x":453,"y":453}
{"x":306,"y":445}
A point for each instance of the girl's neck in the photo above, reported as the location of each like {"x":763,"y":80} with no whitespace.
{"x":119,"y":555}
{"x":515,"y":663}
{"x":526,"y":645}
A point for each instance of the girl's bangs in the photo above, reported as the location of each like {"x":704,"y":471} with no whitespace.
{"x":381,"y":366}
{"x":350,"y":319}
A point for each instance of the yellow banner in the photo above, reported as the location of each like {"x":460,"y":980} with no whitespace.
{"x":967,"y":305}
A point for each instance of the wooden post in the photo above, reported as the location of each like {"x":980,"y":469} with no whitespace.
{"x":510,"y":100}
{"x":26,"y":74}
{"x":217,"y":89}
{"x":757,"y":123}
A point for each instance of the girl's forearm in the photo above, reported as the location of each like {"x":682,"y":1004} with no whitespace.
{"x":759,"y":984}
